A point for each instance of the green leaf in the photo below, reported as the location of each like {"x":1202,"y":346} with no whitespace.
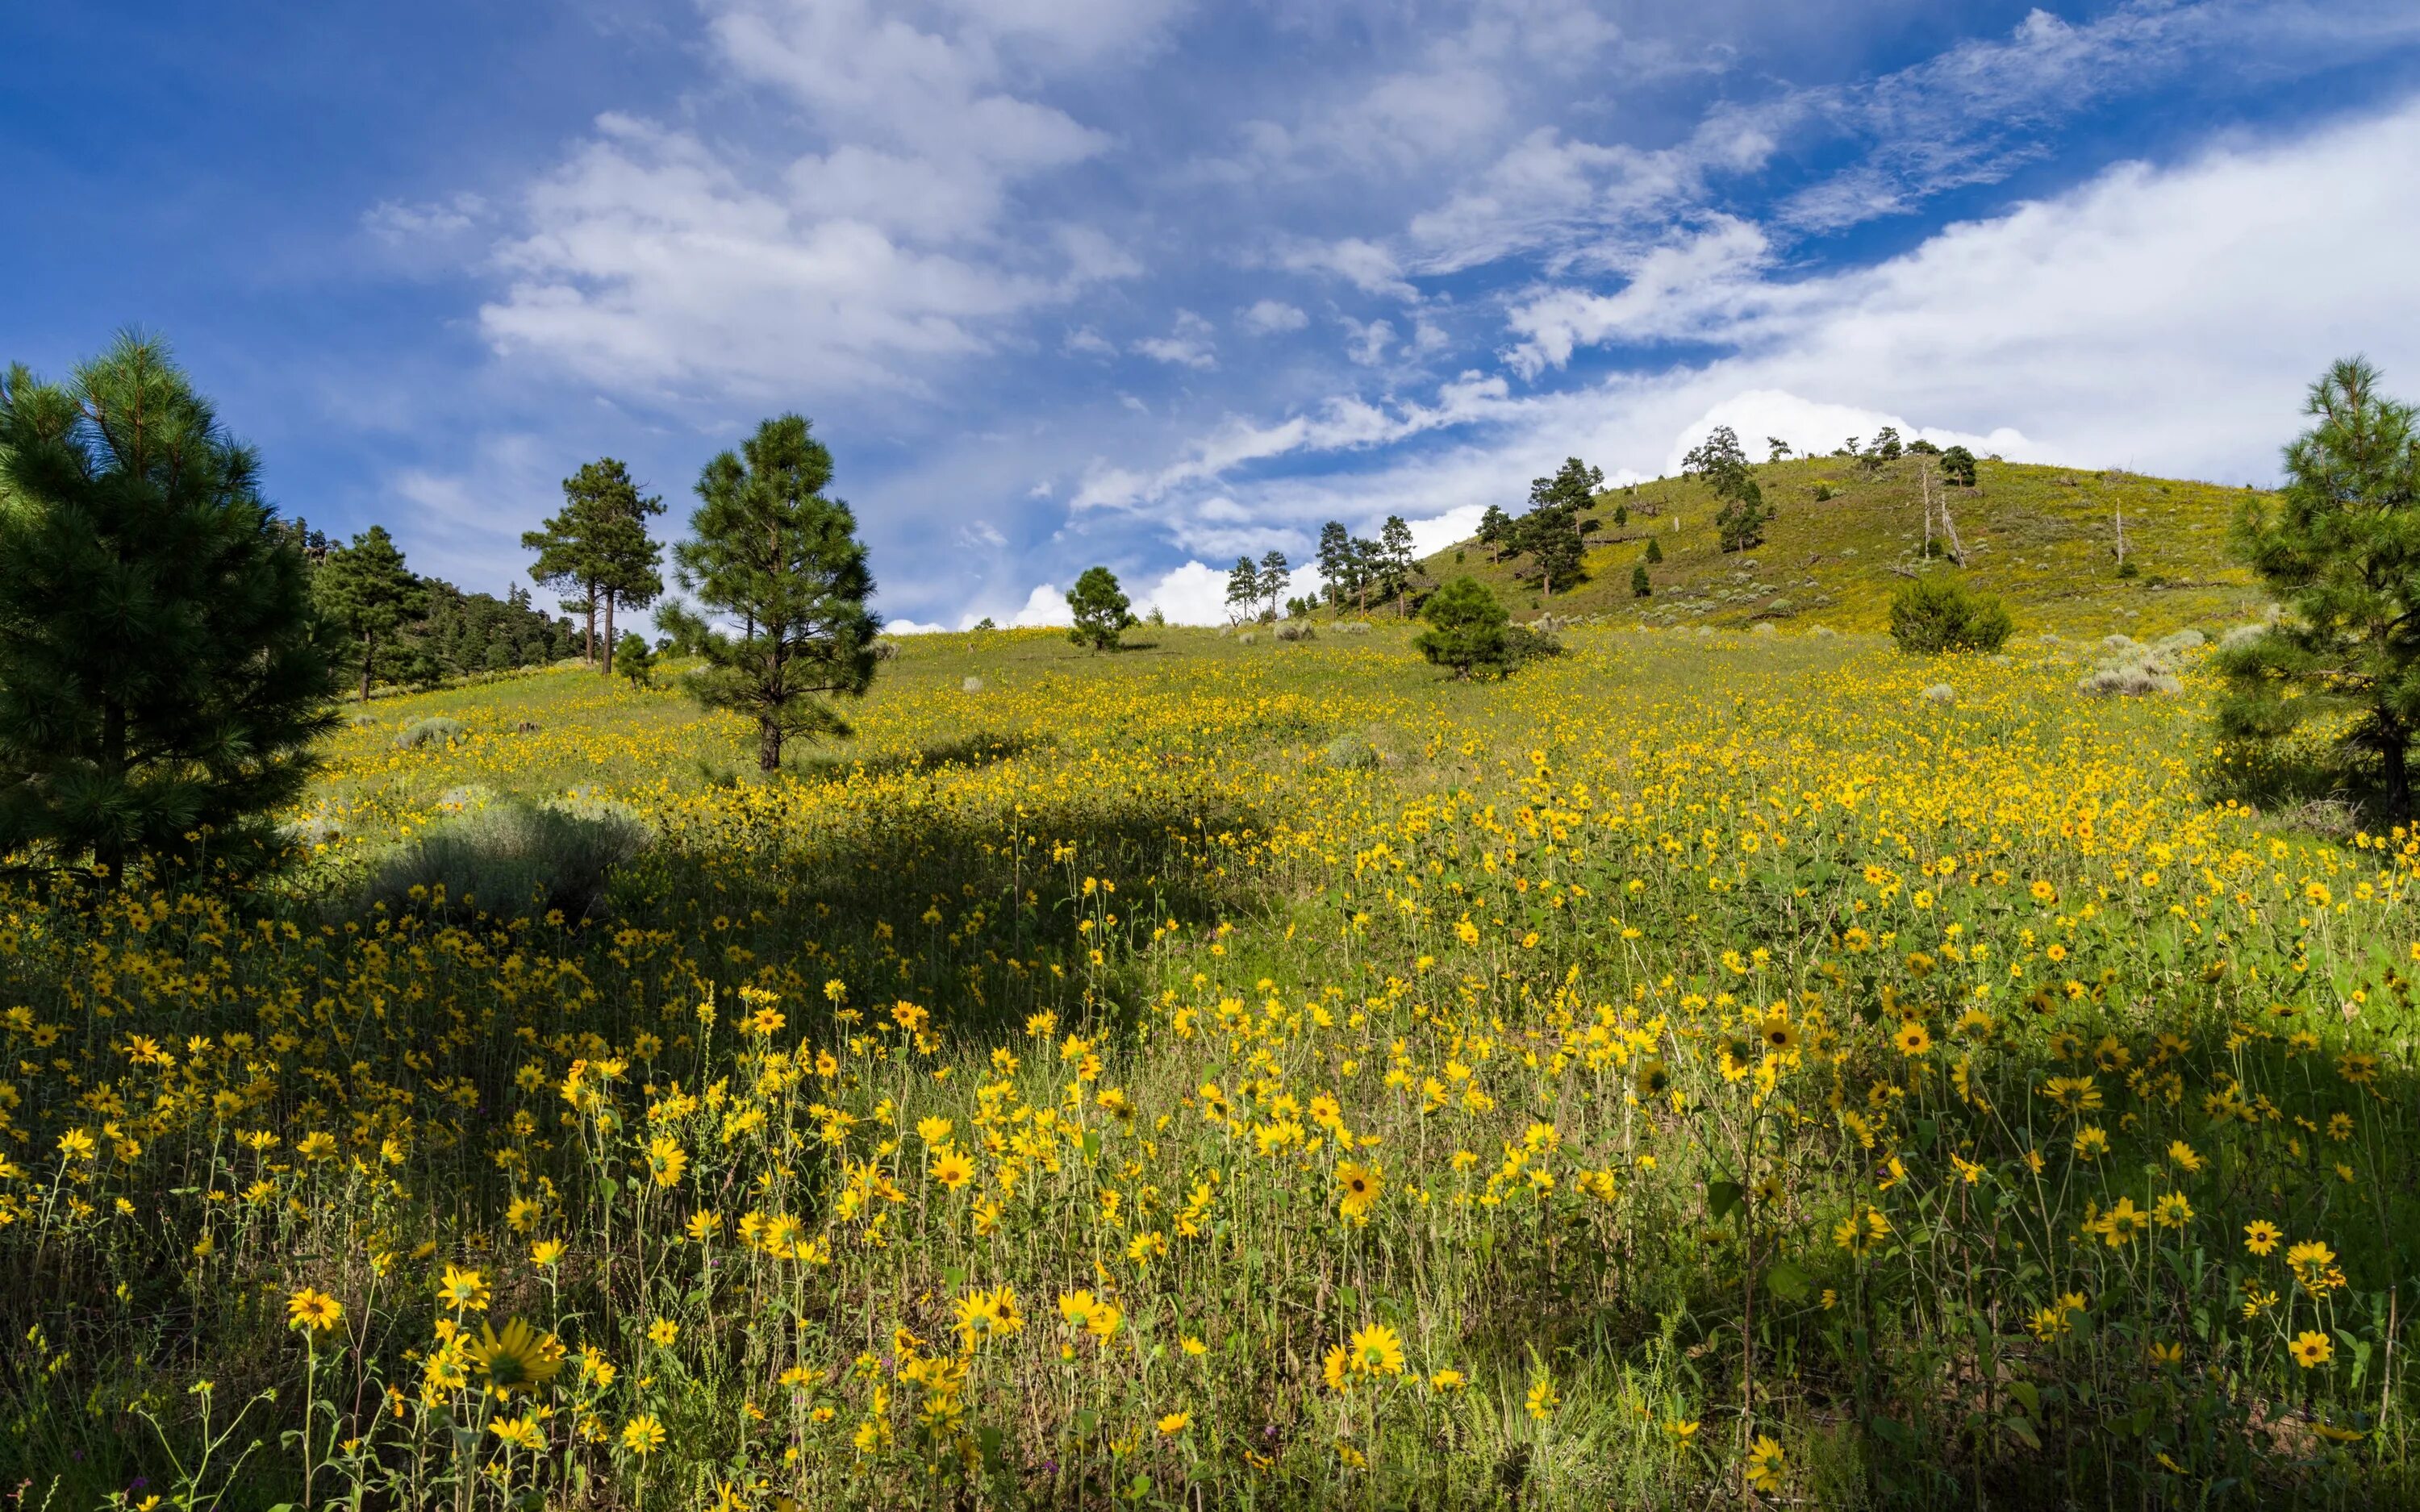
{"x":2024,"y":1391}
{"x":1724,"y":1196}
{"x":1787,"y":1282}
{"x":2023,"y":1429}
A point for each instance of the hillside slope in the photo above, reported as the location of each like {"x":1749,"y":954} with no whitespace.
{"x":2041,"y":537}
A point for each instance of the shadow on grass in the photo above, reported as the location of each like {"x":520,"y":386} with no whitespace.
{"x":978,"y":749}
{"x":2322,"y":791}
{"x":923,"y":902}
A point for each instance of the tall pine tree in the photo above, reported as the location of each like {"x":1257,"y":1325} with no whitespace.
{"x":596,"y":550}
{"x":2341,"y":551}
{"x":162,"y":676}
{"x":368,"y":595}
{"x":770,"y":550}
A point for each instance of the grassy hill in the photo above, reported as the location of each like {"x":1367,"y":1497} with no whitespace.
{"x":1845,"y":540}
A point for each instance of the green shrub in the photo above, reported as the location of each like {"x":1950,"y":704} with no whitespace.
{"x":1352,"y":752}
{"x":1935,"y":614}
{"x":513,"y":859}
{"x":437,"y":731}
{"x":1468,"y":629}
{"x":1525,"y":643}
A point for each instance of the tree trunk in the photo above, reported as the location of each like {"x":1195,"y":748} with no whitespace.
{"x":607,"y":670}
{"x":110,"y":853}
{"x":588,"y":635}
{"x":768,"y":744}
{"x":369,"y":649}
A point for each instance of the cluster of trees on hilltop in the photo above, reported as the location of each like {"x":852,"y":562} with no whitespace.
{"x":1352,"y":570}
{"x":1548,"y":542}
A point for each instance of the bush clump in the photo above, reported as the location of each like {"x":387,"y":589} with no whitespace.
{"x":511,"y":858}
{"x":1352,"y":753}
{"x":437,"y":731}
{"x":1935,"y":614}
{"x":2130,"y":668}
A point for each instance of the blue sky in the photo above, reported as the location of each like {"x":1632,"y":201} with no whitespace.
{"x":1150,"y":282}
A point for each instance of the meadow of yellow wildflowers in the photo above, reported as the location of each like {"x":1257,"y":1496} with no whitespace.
{"x":1702,"y":1067}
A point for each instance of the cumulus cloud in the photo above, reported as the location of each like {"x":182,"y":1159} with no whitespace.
{"x":1046,"y":606}
{"x":1191,"y":594}
{"x":1268,"y":318}
{"x":656,"y":259}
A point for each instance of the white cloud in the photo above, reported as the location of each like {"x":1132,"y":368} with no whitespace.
{"x":907,"y":626}
{"x":649,"y":262}
{"x":655,"y":257}
{"x":1814,"y":427}
{"x":394,"y":222}
{"x":1345,"y":422}
{"x":460,"y":525}
{"x":1368,"y":340}
{"x":2160,"y":318}
{"x":982,"y":534}
{"x":1045,"y":606}
{"x":1187,"y":346}
{"x":1269,"y":316}
{"x":1675,"y":292}
{"x":1972,"y":113}
{"x":1364,"y":264}
{"x":1087,"y":342}
{"x":1191,"y":594}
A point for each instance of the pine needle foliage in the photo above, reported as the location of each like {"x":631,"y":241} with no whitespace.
{"x":770,"y":550}
{"x":163,"y":672}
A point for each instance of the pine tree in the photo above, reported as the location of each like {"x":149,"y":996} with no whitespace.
{"x":162,"y":673}
{"x":1396,"y":562}
{"x":1242,"y":589}
{"x":1275,"y":575}
{"x":1101,"y":608}
{"x":1368,"y":566}
{"x":1639,"y":586}
{"x":1336,"y":562}
{"x":1553,"y":534}
{"x":2341,"y":551}
{"x":769,"y":549}
{"x":598,"y":549}
{"x":1495,"y":532}
{"x":367,"y":591}
{"x":1958,"y":465}
{"x":1719,"y":462}
{"x":1468,"y":629}
{"x":1654,"y":550}
{"x":634,"y":659}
